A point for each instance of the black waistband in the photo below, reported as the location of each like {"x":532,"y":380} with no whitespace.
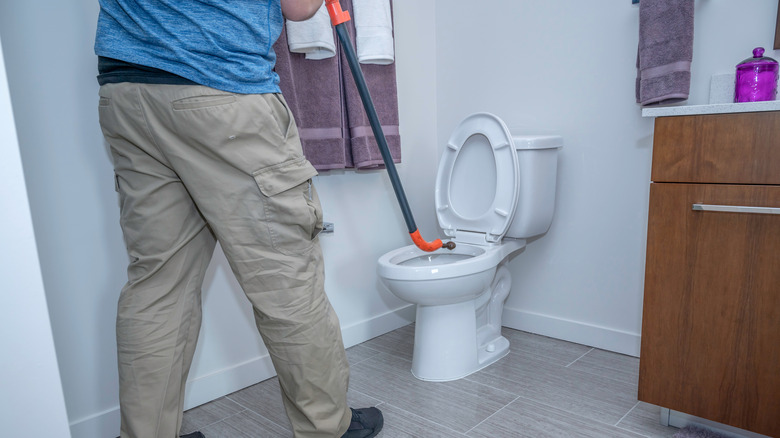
{"x":112,"y":71}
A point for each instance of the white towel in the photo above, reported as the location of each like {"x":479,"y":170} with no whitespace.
{"x":374,"y":31}
{"x":313,"y":37}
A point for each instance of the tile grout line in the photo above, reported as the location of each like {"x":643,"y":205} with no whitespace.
{"x":222,"y":420}
{"x":626,"y":415}
{"x":367,"y":395}
{"x":583,"y":355}
{"x":491,"y":415}
{"x":360,"y":361}
{"x":467,"y":378}
{"x":577,"y":416}
{"x":236,"y":401}
{"x":378,"y":352}
{"x":367,"y":347}
{"x":422,"y":418}
{"x":252,"y":411}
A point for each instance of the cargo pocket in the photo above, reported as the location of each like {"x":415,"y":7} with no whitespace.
{"x":291,"y":208}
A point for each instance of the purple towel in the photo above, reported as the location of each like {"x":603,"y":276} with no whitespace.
{"x":381,"y":83}
{"x":313,"y":90}
{"x":665,"y":51}
{"x":331,"y":120}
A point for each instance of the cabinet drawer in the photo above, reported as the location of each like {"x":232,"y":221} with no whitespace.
{"x":737,"y":148}
{"x":711,"y":316}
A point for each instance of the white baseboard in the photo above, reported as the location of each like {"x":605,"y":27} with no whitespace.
{"x":203,"y":389}
{"x":101,"y":425}
{"x":362,"y":331}
{"x":573,"y":331}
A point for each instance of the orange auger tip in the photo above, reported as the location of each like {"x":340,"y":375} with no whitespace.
{"x":337,"y":15}
{"x":429,"y":246}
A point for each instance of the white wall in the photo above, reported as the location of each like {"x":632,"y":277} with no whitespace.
{"x":51,"y":72}
{"x":561,"y":66}
{"x":28,"y":370}
{"x":568,"y":67}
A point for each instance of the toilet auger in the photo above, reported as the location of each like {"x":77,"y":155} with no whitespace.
{"x":339,"y":17}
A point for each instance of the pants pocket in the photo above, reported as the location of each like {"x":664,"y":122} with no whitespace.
{"x":202,"y":101}
{"x":282,"y":113}
{"x":292,"y":211}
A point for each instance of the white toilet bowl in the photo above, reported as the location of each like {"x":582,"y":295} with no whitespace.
{"x":493,"y":191}
{"x":453,"y":290}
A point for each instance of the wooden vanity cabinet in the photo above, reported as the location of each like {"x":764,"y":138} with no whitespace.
{"x":711,"y":317}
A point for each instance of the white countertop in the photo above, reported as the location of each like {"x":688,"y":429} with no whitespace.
{"x":716,"y":108}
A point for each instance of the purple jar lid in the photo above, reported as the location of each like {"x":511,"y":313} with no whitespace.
{"x":757,"y":59}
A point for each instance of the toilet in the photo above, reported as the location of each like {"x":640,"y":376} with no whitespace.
{"x":493,"y":191}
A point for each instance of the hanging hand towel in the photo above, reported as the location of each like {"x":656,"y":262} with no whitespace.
{"x":312,"y":37}
{"x":374,"y":31}
{"x":665,"y":51}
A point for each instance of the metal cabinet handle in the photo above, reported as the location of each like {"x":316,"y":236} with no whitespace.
{"x":736,"y":209}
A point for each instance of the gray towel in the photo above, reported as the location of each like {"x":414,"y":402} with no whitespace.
{"x":665,"y":51}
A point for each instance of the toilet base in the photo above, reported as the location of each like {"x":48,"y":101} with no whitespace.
{"x":445,"y":343}
{"x":491,"y":351}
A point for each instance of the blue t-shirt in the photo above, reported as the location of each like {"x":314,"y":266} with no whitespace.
{"x":223,"y":44}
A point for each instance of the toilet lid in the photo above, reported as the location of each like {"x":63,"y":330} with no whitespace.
{"x":479,"y":154}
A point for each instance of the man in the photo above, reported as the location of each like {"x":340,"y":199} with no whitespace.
{"x":205,"y":149}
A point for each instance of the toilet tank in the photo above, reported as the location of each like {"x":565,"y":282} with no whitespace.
{"x":538,"y":167}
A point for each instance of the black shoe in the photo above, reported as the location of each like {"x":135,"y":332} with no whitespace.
{"x":366,"y":423}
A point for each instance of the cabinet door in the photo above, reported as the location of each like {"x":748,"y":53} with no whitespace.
{"x":711,"y":317}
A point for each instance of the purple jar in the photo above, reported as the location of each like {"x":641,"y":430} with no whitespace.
{"x":756,"y":78}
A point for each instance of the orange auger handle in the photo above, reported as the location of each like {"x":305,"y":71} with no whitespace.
{"x":429,"y":246}
{"x":337,"y":15}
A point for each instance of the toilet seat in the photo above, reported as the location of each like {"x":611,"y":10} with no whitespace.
{"x":494,"y":221}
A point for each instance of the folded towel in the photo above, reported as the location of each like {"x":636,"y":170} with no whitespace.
{"x":374,"y":31}
{"x":313,"y":92}
{"x":665,"y":51}
{"x":312,"y":37}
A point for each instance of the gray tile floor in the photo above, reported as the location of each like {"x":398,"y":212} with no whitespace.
{"x":544,"y":388}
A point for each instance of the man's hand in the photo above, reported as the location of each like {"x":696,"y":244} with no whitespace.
{"x":299,"y":10}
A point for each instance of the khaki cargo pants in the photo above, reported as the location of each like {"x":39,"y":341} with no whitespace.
{"x":194,"y":166}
